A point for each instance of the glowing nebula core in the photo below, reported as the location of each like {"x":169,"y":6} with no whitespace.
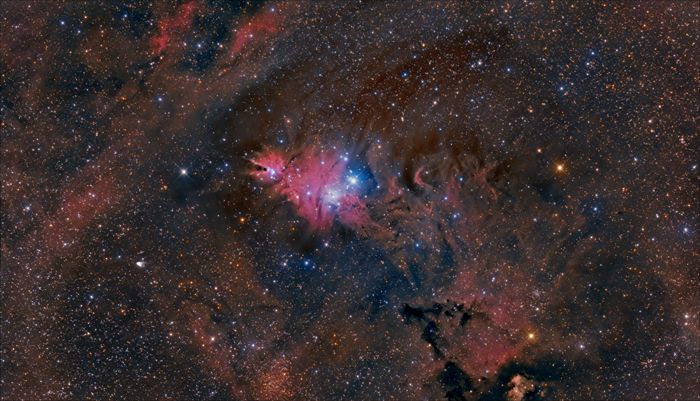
{"x":318,"y":184}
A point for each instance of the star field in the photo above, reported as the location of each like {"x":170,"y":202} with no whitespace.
{"x":390,"y":200}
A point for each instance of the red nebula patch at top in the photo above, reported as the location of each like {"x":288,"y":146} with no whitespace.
{"x":178,"y":23}
{"x":316,"y":183}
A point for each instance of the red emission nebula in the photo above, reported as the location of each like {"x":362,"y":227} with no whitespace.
{"x":316,"y":184}
{"x":331,"y":200}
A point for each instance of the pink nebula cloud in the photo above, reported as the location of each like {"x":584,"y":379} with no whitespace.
{"x":316,"y":184}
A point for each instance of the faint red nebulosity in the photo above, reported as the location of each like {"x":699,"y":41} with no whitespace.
{"x":78,"y":210}
{"x":490,"y":347}
{"x":168,"y":26}
{"x":495,"y":336}
{"x":218,"y":355}
{"x":274,"y":383}
{"x":256,"y":30}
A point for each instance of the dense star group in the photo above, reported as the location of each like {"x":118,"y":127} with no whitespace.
{"x":328,"y":200}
